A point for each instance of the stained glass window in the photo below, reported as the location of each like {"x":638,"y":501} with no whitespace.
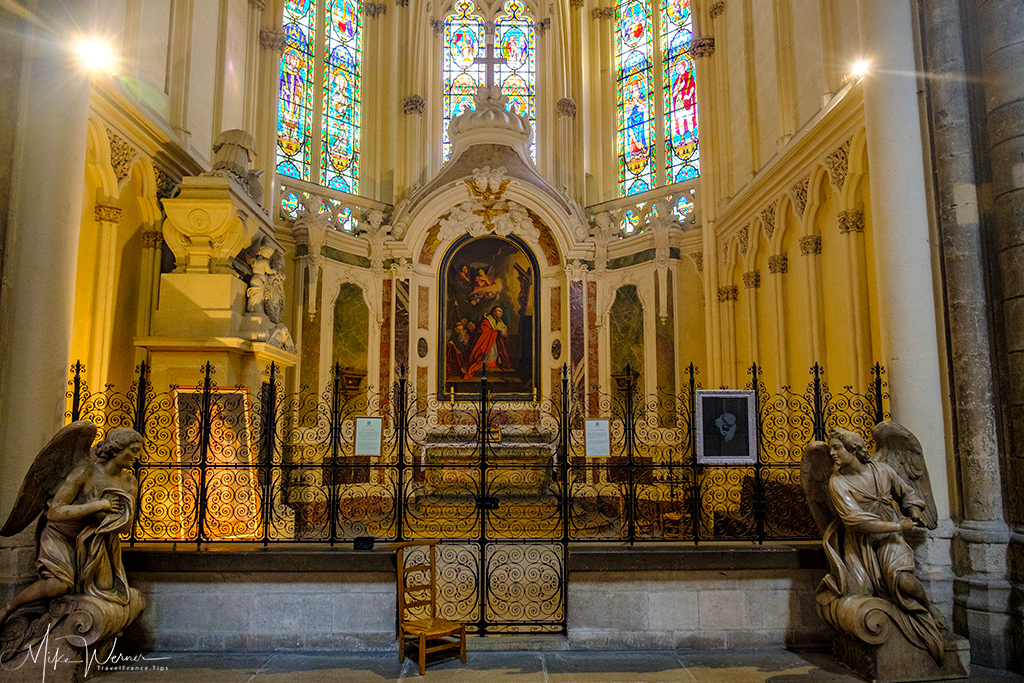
{"x":652,"y":52}
{"x":295,"y":107}
{"x":342,"y":52}
{"x":682,"y":161}
{"x":514,"y":40}
{"x":634,"y":49}
{"x":463,"y":43}
{"x":325,"y":148}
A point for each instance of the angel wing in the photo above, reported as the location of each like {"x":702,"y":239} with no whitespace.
{"x":66,"y":450}
{"x":815,"y":469}
{"x":898,"y":448}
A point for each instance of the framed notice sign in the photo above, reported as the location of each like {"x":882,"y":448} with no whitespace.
{"x":726,"y":427}
{"x":368,"y":436}
{"x":598,"y":441}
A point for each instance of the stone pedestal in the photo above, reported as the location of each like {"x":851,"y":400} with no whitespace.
{"x":897,"y":661}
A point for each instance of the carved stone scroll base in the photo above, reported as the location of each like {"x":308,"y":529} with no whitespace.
{"x":897,"y":661}
{"x":68,"y":640}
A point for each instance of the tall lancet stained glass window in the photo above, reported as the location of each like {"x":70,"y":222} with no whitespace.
{"x":514,"y":46}
{"x":682,"y":160}
{"x":318,"y":109}
{"x":655,"y":73}
{"x":515,"y":42}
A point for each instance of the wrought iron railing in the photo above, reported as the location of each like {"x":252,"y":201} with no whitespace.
{"x":253,"y":464}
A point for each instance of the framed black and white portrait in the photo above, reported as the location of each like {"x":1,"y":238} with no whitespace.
{"x":726,"y":427}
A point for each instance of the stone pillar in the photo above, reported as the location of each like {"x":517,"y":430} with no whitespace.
{"x":979,"y":545}
{"x":899,"y":212}
{"x":40,"y":260}
{"x":108,"y":216}
{"x":1000,"y":31}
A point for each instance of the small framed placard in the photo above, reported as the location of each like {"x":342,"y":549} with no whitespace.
{"x":726,"y":427}
{"x":598,"y":440}
{"x":368,"y":436}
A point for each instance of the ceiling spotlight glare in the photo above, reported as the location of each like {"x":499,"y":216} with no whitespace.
{"x":860,"y":68}
{"x":96,"y":55}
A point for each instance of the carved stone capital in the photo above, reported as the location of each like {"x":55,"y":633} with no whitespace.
{"x":543,"y":26}
{"x":744,"y":239}
{"x":778,"y":264}
{"x":851,"y":220}
{"x":273,"y":40}
{"x":702,"y":47}
{"x":752,"y":279}
{"x":810,"y":245}
{"x":730,"y":293}
{"x":602,"y":13}
{"x":373,"y":9}
{"x":576,"y":270}
{"x":576,"y":3}
{"x":717,"y":8}
{"x":414,"y":104}
{"x":165,"y":185}
{"x":152,"y":240}
{"x":566,"y":107}
{"x":258,"y":5}
{"x":107,"y":213}
{"x":437,"y":25}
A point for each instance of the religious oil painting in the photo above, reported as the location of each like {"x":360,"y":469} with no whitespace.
{"x":726,"y":427}
{"x":222,"y":496}
{"x":489,"y":321}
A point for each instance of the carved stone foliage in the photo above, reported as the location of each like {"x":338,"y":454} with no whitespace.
{"x":273,"y":40}
{"x":778,"y":264}
{"x":576,"y":270}
{"x":373,"y":9}
{"x":799,"y":194}
{"x":107,"y":213}
{"x":602,"y":13}
{"x":730,"y":293}
{"x":838,"y":164}
{"x":702,"y":47}
{"x":576,"y":3}
{"x":165,"y":185}
{"x":744,"y":239}
{"x":768,"y":220}
{"x":152,"y":240}
{"x":566,"y":107}
{"x":487,"y":211}
{"x":717,"y":8}
{"x":233,"y":151}
{"x":543,"y":26}
{"x":752,"y":279}
{"x":698,"y":260}
{"x":258,"y":5}
{"x":122,"y":153}
{"x":810,"y":245}
{"x":851,"y":220}
{"x":401,"y":3}
{"x":414,"y":104}
{"x":437,"y":25}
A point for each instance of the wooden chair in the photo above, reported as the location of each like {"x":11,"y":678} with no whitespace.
{"x":423,"y":595}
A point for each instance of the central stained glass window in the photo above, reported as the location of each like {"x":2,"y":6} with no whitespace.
{"x":318,"y":109}
{"x":654,"y":70}
{"x":466,"y":45}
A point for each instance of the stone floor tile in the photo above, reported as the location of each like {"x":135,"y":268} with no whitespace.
{"x":615,"y":667}
{"x":186,"y":667}
{"x":764,"y":666}
{"x":480,"y":667}
{"x":334,"y":668}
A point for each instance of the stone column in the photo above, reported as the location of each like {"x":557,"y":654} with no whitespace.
{"x":979,"y":545}
{"x":899,"y":213}
{"x":1000,"y":43}
{"x":40,"y":260}
{"x":108,"y":216}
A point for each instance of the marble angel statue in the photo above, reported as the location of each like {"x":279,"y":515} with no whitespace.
{"x":864,"y":505}
{"x":84,"y":498}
